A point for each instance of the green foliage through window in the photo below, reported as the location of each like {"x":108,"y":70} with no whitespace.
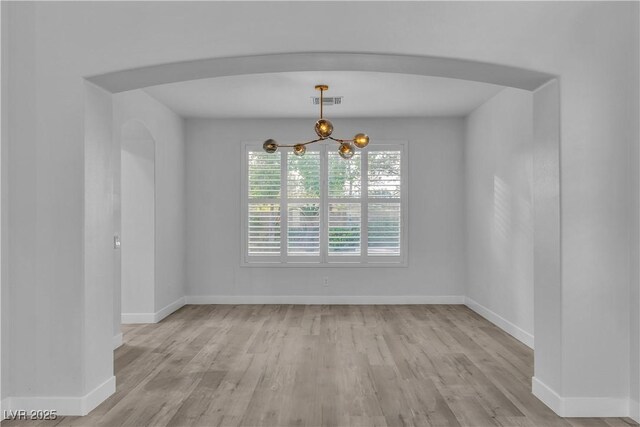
{"x":345,"y":204}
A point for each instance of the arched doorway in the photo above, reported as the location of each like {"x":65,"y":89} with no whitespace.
{"x":546,"y":129}
{"x":137,"y":218}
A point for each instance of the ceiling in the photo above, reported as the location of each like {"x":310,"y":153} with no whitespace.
{"x":365,"y":94}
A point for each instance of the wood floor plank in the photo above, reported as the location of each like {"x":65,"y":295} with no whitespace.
{"x":322,"y":365}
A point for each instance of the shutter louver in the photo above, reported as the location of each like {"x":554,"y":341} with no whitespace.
{"x":263,"y":232}
{"x":303,"y":229}
{"x":264,"y":175}
{"x":320,"y":209}
{"x":384,"y":229}
{"x":303,"y":176}
{"x":384,"y":174}
{"x":264,"y":229}
{"x":344,"y":228}
{"x":344,"y":176}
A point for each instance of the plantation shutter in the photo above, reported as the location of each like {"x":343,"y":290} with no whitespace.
{"x":384,"y":182}
{"x":303,"y":204}
{"x":263,"y":205}
{"x":320,"y":209}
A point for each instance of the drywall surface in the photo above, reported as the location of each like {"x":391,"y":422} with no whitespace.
{"x":548,"y":301}
{"x":137,"y":218}
{"x":435,"y":229}
{"x":4,"y":64}
{"x":98,"y":220}
{"x":591,"y":46}
{"x":499,"y":211}
{"x":634,"y":298}
{"x":167,"y":130}
{"x":634,"y":234}
{"x":45,"y":209}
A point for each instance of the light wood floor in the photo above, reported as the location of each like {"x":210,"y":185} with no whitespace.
{"x":284,"y":365}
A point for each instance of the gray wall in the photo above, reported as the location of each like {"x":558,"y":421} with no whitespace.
{"x":3,"y":201}
{"x":599,"y":115}
{"x":634,"y":228}
{"x":45,"y":196}
{"x":98,"y":222}
{"x":137,"y":218}
{"x":436,"y":221}
{"x":498,"y":185}
{"x":167,"y":130}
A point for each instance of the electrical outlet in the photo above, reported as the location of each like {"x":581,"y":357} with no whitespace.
{"x":325,"y":282}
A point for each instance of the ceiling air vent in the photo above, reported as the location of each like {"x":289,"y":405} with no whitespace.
{"x":327,"y":100}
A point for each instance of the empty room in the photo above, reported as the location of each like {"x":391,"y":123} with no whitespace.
{"x":312,"y":213}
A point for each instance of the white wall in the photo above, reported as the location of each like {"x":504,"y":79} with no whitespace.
{"x":548,"y":302}
{"x":4,"y":90}
{"x":436,"y":222}
{"x":634,"y":308}
{"x":98,"y":222}
{"x":591,"y":46}
{"x":634,"y":236}
{"x":167,"y":130}
{"x":498,"y":185}
{"x":137,"y":219}
{"x":44,"y":211}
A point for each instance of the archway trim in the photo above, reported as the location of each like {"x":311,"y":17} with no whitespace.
{"x":137,"y":78}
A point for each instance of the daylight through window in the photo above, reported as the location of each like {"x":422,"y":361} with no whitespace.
{"x":322,"y":209}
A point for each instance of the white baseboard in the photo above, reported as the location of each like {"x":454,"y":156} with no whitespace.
{"x":164,"y":312}
{"x":72,"y":406}
{"x":132,"y":318}
{"x":324,"y":299}
{"x":547,"y":396}
{"x":98,"y":395}
{"x":117,"y":340}
{"x":597,"y":407}
{"x":634,"y":410}
{"x":513,"y":330}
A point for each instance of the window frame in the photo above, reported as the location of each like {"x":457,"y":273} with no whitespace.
{"x":324,"y":259}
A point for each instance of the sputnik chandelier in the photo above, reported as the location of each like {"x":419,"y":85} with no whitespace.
{"x":324,"y":129}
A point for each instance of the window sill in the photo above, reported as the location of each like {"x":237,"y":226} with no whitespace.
{"x":262,"y":264}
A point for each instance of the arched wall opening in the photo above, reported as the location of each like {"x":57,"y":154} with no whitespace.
{"x":137,"y":218}
{"x":546,"y":184}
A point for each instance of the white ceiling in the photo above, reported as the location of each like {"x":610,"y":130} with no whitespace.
{"x":366,"y":94}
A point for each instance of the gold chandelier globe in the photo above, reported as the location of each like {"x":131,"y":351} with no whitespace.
{"x":361,"y":140}
{"x":324,"y":129}
{"x":346,"y":150}
{"x":270,"y":146}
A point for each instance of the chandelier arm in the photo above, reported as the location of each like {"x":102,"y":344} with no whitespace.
{"x":315,"y":140}
{"x":323,"y":129}
{"x":340,"y":141}
{"x":301,"y":143}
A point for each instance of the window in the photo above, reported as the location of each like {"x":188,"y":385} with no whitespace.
{"x":320,"y":209}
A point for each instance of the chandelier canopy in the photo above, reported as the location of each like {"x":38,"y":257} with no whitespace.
{"x":324,"y":129}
